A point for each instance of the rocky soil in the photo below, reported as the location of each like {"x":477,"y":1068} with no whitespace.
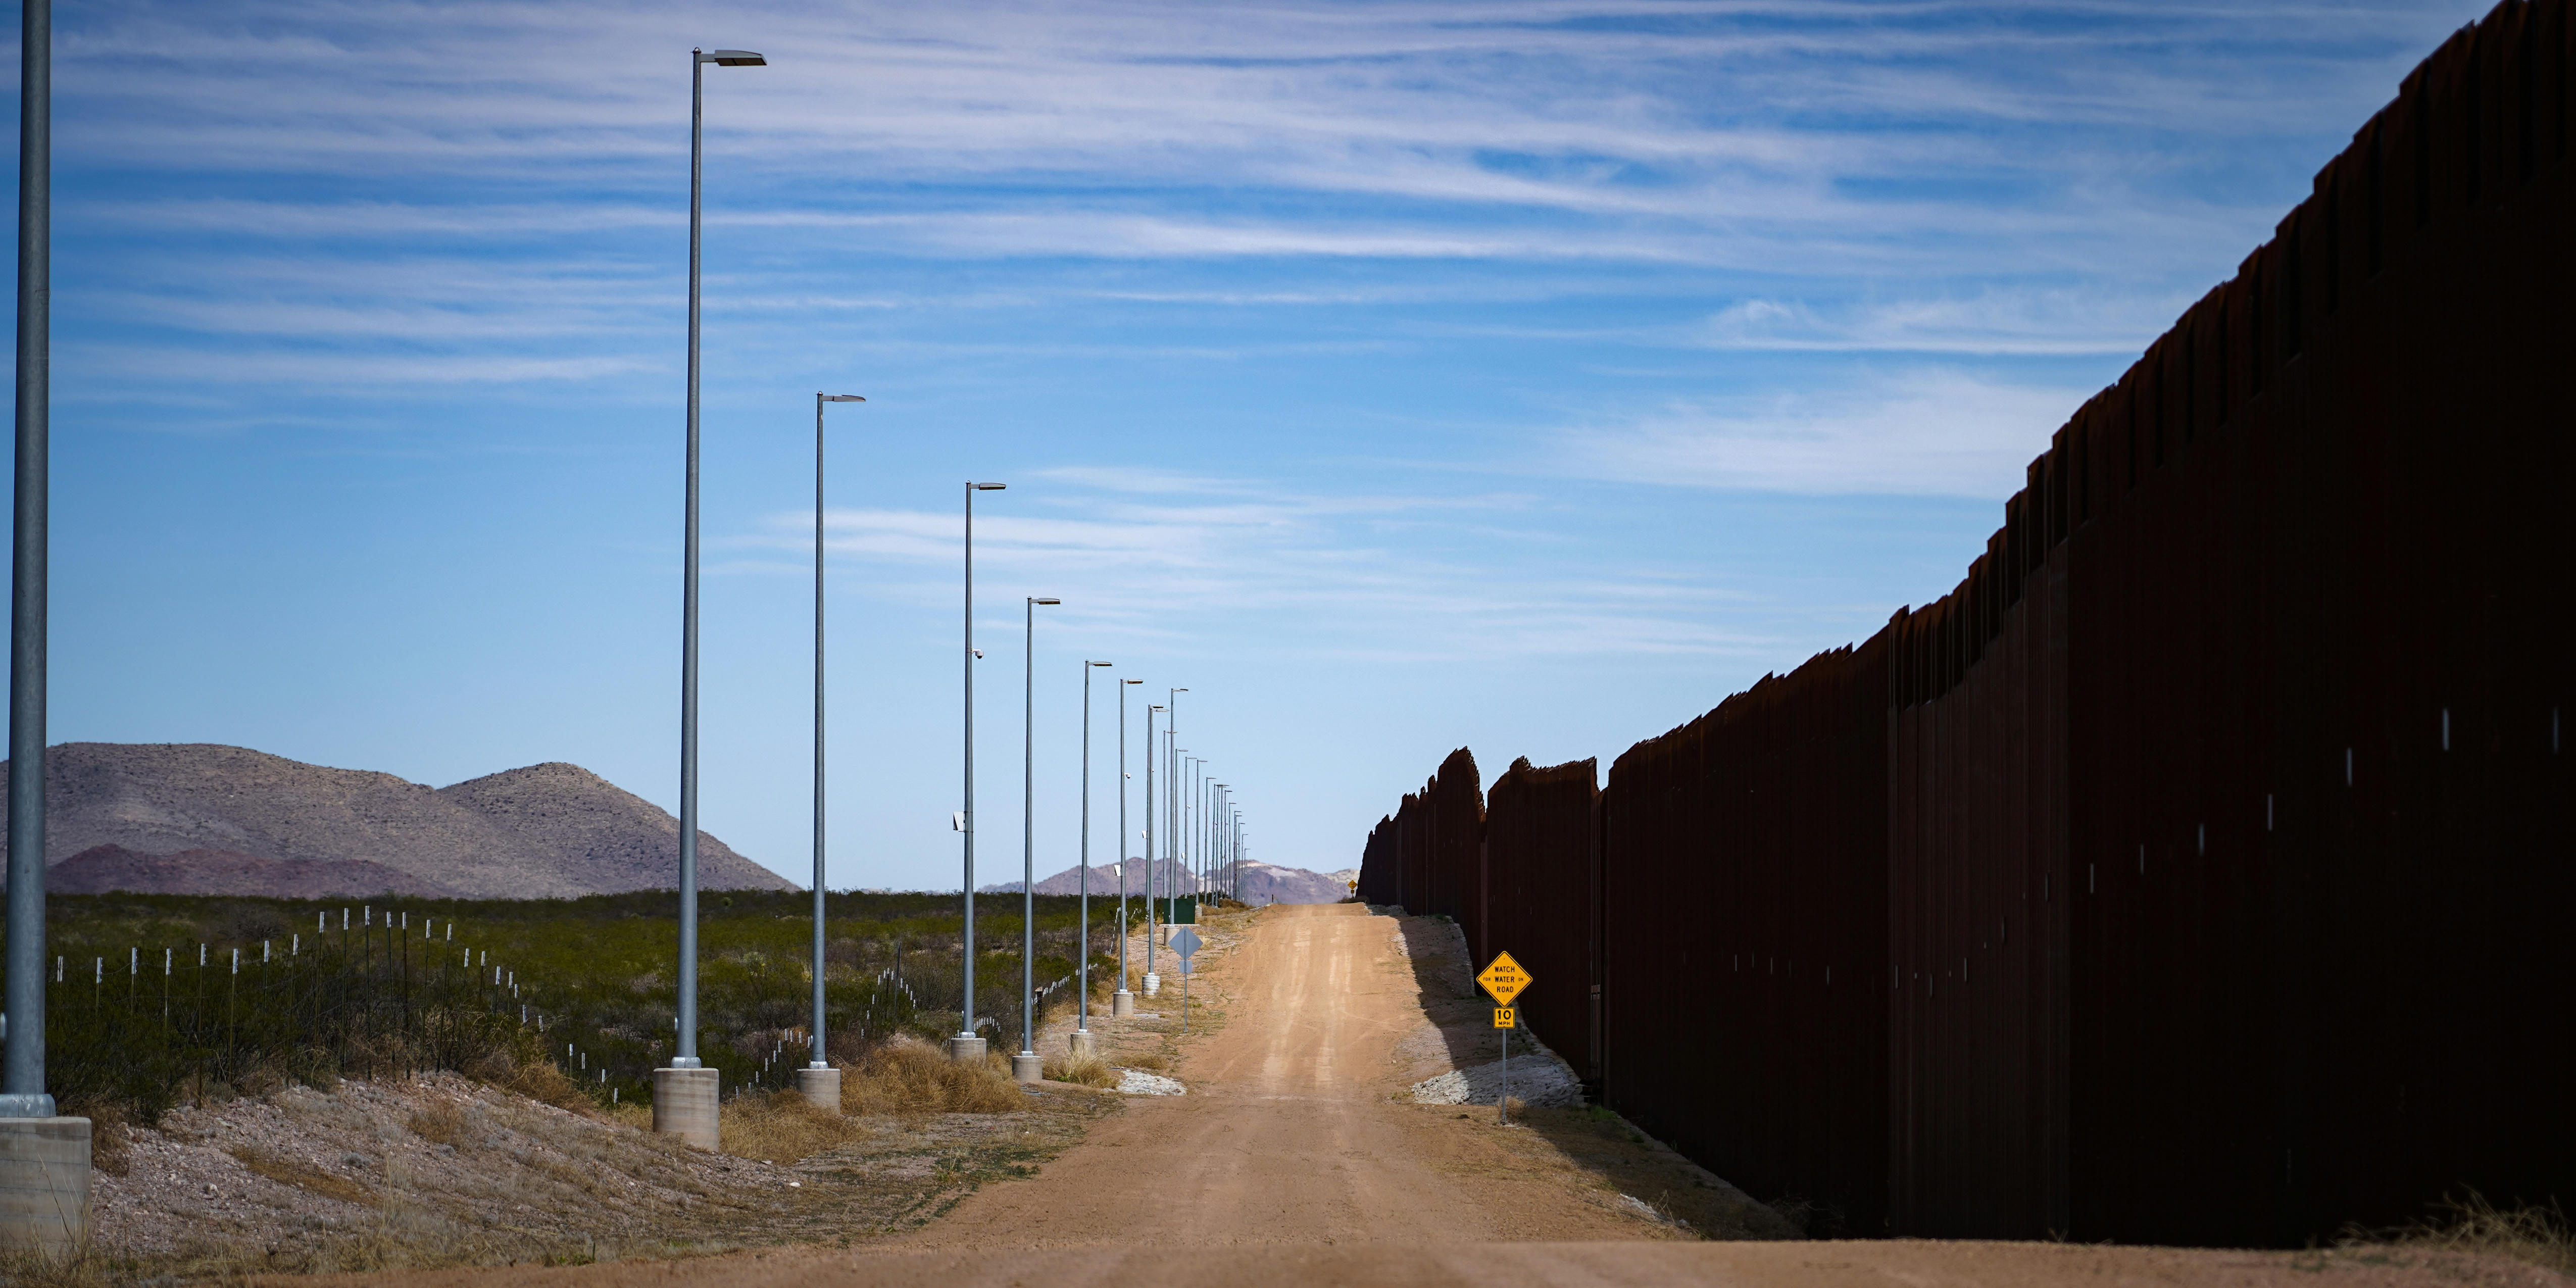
{"x":441,"y":1170}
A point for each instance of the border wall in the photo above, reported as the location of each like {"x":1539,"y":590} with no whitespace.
{"x":2199,"y":869}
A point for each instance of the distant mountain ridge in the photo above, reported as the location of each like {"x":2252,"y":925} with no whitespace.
{"x":553,"y":830}
{"x":1262,"y":883}
{"x":106,"y":869}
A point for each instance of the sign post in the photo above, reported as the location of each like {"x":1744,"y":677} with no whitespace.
{"x":1504,"y":979}
{"x":1185,"y":945}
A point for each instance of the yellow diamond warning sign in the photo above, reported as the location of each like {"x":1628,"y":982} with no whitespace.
{"x":1504,"y":979}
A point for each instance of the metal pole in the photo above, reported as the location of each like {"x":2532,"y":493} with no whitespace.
{"x":686,"y":1040}
{"x":814,"y":1041}
{"x":814,"y":1045}
{"x":1082,"y":962}
{"x":966,"y":1023}
{"x":1171,"y":811}
{"x":1146,"y":888}
{"x":1122,"y":845}
{"x":1029,"y":832}
{"x":1082,"y":862}
{"x":22,"y":1069}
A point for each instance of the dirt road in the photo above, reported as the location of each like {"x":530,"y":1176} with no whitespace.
{"x":1289,"y":1133}
{"x":1291,"y":1161}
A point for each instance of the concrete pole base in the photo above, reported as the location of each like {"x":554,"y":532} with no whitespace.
{"x":1079,"y":1043}
{"x":1028,"y":1066}
{"x":821,"y":1088}
{"x":1122,"y":1002}
{"x":964,"y":1050}
{"x":1153,"y":984}
{"x":44,"y":1185}
{"x":685,"y":1105}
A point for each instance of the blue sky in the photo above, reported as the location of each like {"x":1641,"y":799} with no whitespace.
{"x":1397,"y":376}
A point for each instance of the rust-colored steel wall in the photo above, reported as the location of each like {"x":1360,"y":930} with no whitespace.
{"x":2206,"y":852}
{"x":2317,"y":643}
{"x":1540,"y":898}
{"x":1743,"y":1012}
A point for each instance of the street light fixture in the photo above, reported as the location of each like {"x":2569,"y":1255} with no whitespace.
{"x":1122,"y":1002}
{"x":1026,"y":1066}
{"x":818,"y":1081}
{"x":1080,"y":1042}
{"x":685,"y":1094}
{"x":966,"y":1047}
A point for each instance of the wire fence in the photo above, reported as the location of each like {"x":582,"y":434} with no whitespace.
{"x":158,"y":999}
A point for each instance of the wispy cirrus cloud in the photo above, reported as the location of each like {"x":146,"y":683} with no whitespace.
{"x":1356,"y":577}
{"x":1923,"y":432}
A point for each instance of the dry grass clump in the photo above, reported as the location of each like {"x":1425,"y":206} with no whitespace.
{"x":108,"y":1144}
{"x":1151,"y":1061}
{"x":445,"y":1123}
{"x":914,"y":1077}
{"x":1085,"y":1071}
{"x":783,"y":1127}
{"x":538,"y":1080}
{"x":287,"y":1171}
{"x":31,"y":1267}
{"x":2540,"y":1236}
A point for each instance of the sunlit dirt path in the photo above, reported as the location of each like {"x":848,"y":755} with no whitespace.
{"x":1288,"y":1134}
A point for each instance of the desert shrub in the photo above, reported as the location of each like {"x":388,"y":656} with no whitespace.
{"x":1086,"y":1071}
{"x":537,"y":1079}
{"x":907,"y":1076}
{"x":1155,"y":1061}
{"x":151,"y":1009}
{"x":110,"y":1150}
{"x":2539,"y":1235}
{"x":445,"y":1123}
{"x":783,"y":1127}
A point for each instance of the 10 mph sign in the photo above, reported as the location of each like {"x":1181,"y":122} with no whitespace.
{"x":1504,"y":978}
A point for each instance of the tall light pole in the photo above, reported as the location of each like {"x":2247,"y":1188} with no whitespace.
{"x":1172,"y":793}
{"x":1122,"y":1002}
{"x":44,"y":1158}
{"x":1080,"y":1042}
{"x":1180,"y":826}
{"x":1170,"y":805}
{"x":966,"y":1048}
{"x":1027,"y":1066}
{"x":1191,"y":817}
{"x":685,"y":1092}
{"x":1217,"y":851}
{"x":818,"y":1081}
{"x":1153,"y":982}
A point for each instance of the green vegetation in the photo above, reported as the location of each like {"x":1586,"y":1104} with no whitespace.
{"x":149,"y":1008}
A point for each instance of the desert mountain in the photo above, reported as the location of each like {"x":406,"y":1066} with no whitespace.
{"x":545,"y":831}
{"x":1262,"y":883}
{"x":102,"y":869}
